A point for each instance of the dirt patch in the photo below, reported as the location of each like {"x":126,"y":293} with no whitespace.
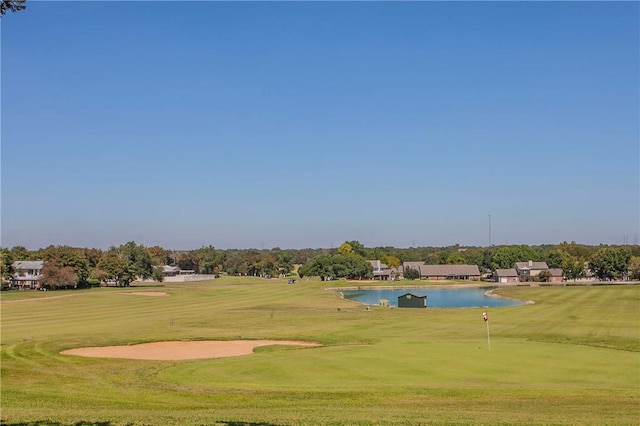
{"x":172,"y":351}
{"x":145,"y":293}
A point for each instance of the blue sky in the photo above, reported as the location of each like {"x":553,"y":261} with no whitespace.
{"x":305,"y":124}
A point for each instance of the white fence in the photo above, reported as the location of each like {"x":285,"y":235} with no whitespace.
{"x":188,"y":278}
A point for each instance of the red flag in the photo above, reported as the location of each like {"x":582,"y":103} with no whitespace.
{"x":485,"y":316}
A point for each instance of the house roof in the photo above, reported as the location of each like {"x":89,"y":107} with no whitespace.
{"x":556,"y":272}
{"x":531,"y":265}
{"x":506,"y":272}
{"x":412,"y":265}
{"x":167,"y":268}
{"x":28,"y":264}
{"x":374,"y":263}
{"x":448,"y":270}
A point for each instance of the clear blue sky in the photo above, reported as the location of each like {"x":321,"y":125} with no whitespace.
{"x":305,"y":124}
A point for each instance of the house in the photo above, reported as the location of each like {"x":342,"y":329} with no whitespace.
{"x":170,"y":271}
{"x":382,"y":272}
{"x":28,"y":273}
{"x":407,"y":265}
{"x":556,"y":275}
{"x":506,"y":276}
{"x":449,"y":272}
{"x":530,"y":269}
{"x":409,"y":300}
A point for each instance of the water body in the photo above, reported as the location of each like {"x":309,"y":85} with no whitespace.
{"x":436,"y":297}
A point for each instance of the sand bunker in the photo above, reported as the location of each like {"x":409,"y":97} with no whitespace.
{"x":145,"y":293}
{"x":170,"y":351}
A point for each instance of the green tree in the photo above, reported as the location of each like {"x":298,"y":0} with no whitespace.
{"x":210,"y":260}
{"x":138,"y":259}
{"x":114,"y":268}
{"x":158,"y":255}
{"x":320,"y":266}
{"x":11,"y":6}
{"x":393,"y":262}
{"x":157,"y":274}
{"x":189,"y":261}
{"x":556,"y":258}
{"x":543,"y":276}
{"x":345,"y":248}
{"x":411,"y":274}
{"x":350,"y":266}
{"x":505,"y":257}
{"x":573,"y":267}
{"x":6,"y":264}
{"x":285,"y":263}
{"x":20,"y":253}
{"x":357,"y":247}
{"x":455,"y":259}
{"x":634,"y":268}
{"x":610,"y":263}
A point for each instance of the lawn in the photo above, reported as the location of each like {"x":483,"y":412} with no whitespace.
{"x":573,"y":357}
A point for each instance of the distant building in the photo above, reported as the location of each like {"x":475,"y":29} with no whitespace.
{"x":556,"y":275}
{"x":530,"y":269}
{"x":28,"y":273}
{"x":506,"y":276}
{"x":170,"y":271}
{"x":449,"y":272}
{"x":412,"y":301}
{"x":382,"y":272}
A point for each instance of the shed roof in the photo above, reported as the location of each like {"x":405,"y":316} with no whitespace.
{"x":411,"y":295}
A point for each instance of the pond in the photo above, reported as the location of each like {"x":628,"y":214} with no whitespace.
{"x":436,"y":297}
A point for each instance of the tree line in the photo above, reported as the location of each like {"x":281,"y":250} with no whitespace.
{"x":67,"y":266}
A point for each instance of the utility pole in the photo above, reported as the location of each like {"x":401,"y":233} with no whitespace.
{"x":489,"y":230}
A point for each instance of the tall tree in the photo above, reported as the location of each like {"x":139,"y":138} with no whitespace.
{"x":114,"y":268}
{"x":357,"y":247}
{"x":573,"y":267}
{"x":68,"y":256}
{"x":20,"y":253}
{"x":411,"y":273}
{"x":188,"y":261}
{"x":284,"y":263}
{"x":6,"y":264}
{"x":55,"y":276}
{"x":158,"y":255}
{"x":138,"y":259}
{"x":610,"y":263}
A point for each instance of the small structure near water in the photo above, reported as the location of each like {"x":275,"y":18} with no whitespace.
{"x":409,"y":300}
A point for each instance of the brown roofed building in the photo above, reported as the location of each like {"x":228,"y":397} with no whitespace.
{"x":449,"y":272}
{"x":530,"y":268}
{"x":506,"y":276}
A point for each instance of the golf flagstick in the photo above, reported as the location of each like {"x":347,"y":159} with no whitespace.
{"x":485,"y":317}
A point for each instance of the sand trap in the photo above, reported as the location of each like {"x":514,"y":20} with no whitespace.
{"x":145,"y":293}
{"x":169,"y":351}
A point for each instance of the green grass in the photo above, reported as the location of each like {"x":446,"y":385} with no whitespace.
{"x":573,"y":357}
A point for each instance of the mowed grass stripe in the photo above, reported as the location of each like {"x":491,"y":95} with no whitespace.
{"x":383,"y":366}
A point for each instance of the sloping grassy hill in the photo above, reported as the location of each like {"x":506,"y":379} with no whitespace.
{"x":571,"y":358}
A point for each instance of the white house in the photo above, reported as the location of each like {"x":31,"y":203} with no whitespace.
{"x":28,"y":273}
